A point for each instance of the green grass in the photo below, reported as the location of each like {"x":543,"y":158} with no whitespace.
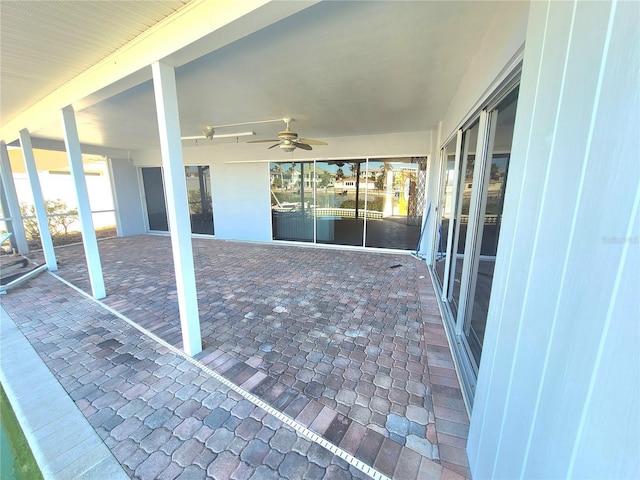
{"x":24,"y":466}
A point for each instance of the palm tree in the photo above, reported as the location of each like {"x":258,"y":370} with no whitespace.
{"x":382,"y":176}
{"x":291,"y":169}
{"x":279,"y":171}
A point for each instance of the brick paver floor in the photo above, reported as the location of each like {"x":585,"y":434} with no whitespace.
{"x":161,"y":416}
{"x":348,"y":343}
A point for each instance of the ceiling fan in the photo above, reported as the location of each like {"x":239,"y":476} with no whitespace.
{"x":288,"y":141}
{"x":209,"y":133}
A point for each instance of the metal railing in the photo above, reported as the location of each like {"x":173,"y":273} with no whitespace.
{"x":488,"y":219}
{"x":333,"y":212}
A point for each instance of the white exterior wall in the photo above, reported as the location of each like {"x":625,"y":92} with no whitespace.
{"x":240,"y":174}
{"x":496,"y":56}
{"x":127,"y":198}
{"x":558,"y":387}
{"x":242,"y":201}
{"x":502,"y":44}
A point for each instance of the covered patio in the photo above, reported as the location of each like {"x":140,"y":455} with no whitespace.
{"x":348,"y":345}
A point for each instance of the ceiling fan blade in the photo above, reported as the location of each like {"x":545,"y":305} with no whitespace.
{"x":303,"y":146}
{"x":311,"y":141}
{"x":264,"y":141}
{"x":194,"y":137}
{"x":274,"y":145}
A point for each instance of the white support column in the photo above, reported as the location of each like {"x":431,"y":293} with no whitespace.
{"x":38,"y":200}
{"x":12,"y":200}
{"x":74,"y":154}
{"x":164,"y":82}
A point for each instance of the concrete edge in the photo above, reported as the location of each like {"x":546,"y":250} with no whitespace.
{"x":22,"y":372}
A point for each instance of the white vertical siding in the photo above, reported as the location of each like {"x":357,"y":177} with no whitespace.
{"x":126,"y":197}
{"x":558,"y":383}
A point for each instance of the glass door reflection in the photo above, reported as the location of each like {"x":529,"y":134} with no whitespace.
{"x":446,"y":205}
{"x":340,"y":198}
{"x":490,"y":215}
{"x":199,"y":195}
{"x":463,"y":204}
{"x":292,"y":201}
{"x":154,"y":199}
{"x":391,"y":201}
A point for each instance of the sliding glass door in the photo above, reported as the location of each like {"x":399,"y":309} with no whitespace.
{"x":341,"y":222}
{"x":199,"y":194}
{"x":394,"y":211}
{"x":154,"y":199}
{"x":471,"y":203}
{"x":354,"y":202}
{"x":492,"y":180}
{"x":198,"y":181}
{"x":464,"y":192}
{"x":449,"y":161}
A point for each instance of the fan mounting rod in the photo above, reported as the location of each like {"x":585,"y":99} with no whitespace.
{"x":287,"y":134}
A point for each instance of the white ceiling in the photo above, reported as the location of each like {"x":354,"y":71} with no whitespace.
{"x":338,"y":68}
{"x":46,"y":44}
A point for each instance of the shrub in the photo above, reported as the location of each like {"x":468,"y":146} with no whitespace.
{"x":59,"y":218}
{"x":376,"y":204}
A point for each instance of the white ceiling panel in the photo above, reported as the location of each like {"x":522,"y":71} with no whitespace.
{"x":339,"y":69}
{"x":44,"y":44}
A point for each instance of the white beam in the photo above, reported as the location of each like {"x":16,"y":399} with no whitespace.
{"x":164,"y":83}
{"x":17,"y":227}
{"x":38,"y":200}
{"x":92,"y":254}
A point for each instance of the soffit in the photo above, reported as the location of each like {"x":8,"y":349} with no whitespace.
{"x":44,"y":44}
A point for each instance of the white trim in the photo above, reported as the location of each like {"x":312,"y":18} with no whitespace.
{"x":467,"y":384}
{"x":116,"y":206}
{"x":508,"y":77}
{"x":143,"y":198}
{"x":455,"y":200}
{"x":478,"y":223}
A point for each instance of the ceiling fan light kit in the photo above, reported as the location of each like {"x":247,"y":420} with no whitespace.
{"x":287,"y":147}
